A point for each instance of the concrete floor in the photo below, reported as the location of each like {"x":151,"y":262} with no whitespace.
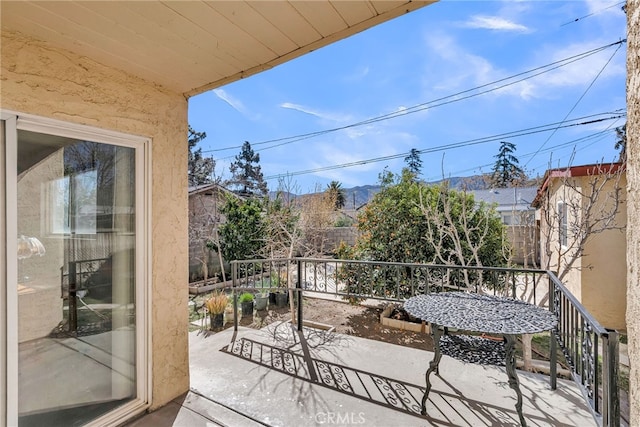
{"x":278,"y":377}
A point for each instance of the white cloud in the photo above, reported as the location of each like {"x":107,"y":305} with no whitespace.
{"x":598,"y":7}
{"x":233,"y":102}
{"x":456,"y":67}
{"x":334,"y":117}
{"x":494,"y":23}
{"x":358,"y":74}
{"x":459,"y":69}
{"x":581,"y":73}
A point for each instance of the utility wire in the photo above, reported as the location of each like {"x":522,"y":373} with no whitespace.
{"x":595,"y":136}
{"x":578,"y":101}
{"x":592,"y":13}
{"x":433,"y":103}
{"x":513,"y":134}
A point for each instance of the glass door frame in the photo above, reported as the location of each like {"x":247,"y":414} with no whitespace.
{"x":9,"y":276}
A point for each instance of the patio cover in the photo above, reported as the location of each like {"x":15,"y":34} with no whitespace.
{"x":194,"y":46}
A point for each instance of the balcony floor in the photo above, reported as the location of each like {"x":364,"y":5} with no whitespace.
{"x":273,"y":377}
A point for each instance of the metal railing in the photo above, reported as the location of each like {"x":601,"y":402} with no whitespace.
{"x":590,"y":350}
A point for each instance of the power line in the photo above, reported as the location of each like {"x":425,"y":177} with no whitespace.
{"x":578,"y":101}
{"x":592,"y":13}
{"x":476,"y":141}
{"x":433,"y":103}
{"x":595,"y":136}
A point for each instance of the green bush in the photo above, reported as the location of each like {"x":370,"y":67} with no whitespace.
{"x":246,"y":297}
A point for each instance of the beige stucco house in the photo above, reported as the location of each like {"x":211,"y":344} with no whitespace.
{"x":205,"y":202}
{"x":93,"y":193}
{"x":583,"y":220}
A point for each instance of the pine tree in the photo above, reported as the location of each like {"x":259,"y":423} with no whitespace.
{"x":507,"y":171}
{"x":414,"y":163}
{"x":200,"y":169}
{"x":246,"y":173}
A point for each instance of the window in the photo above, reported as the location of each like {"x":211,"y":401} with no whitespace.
{"x":562,"y":223}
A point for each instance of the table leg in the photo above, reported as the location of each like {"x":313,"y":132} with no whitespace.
{"x":510,"y":364}
{"x":433,"y":365}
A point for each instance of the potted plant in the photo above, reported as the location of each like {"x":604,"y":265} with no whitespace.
{"x":261,"y":301}
{"x":216,"y":304}
{"x":274,"y":283}
{"x":280,"y":296}
{"x":246,"y":302}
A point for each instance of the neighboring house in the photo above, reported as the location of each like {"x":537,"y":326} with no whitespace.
{"x":94,"y":117}
{"x":205,"y":202}
{"x":583,"y":216}
{"x":514,"y":207}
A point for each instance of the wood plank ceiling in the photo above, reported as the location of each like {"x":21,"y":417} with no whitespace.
{"x":194,"y":46}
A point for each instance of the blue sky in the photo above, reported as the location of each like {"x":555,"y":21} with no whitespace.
{"x":430,"y":54}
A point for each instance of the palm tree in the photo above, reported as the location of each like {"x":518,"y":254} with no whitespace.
{"x":337,"y":194}
{"x":621,"y":142}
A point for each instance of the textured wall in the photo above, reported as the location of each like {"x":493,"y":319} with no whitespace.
{"x":44,"y":81}
{"x":604,"y":274}
{"x":633,"y":207}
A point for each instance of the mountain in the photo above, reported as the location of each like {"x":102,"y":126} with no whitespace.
{"x":358,"y":196}
{"x":355,"y":197}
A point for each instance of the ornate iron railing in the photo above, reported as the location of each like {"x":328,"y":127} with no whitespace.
{"x":590,"y":350}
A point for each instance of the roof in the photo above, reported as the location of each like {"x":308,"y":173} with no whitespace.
{"x":209,"y":187}
{"x":574,"y":171}
{"x":194,"y":46}
{"x":506,"y":198}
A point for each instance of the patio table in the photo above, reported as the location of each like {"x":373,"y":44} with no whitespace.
{"x":484,"y":314}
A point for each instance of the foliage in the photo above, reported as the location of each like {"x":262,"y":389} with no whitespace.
{"x":506,"y":170}
{"x":621,"y":142}
{"x":412,"y":222}
{"x":414,"y":163}
{"x":337,"y":194}
{"x":217,"y":303}
{"x":343,"y":221}
{"x":243,"y":233}
{"x":200,"y":169}
{"x":246,"y":297}
{"x":246,"y":172}
{"x":392,"y":227}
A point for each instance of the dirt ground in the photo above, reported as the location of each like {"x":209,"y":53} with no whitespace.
{"x":357,"y":320}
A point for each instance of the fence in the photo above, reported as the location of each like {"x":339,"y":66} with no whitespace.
{"x":580,"y":337}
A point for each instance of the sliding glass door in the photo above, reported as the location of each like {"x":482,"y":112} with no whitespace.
{"x":79,"y":274}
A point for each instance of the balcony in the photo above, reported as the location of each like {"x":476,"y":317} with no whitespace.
{"x":290,"y":374}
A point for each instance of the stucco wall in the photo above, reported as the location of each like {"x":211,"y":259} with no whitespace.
{"x":633,"y":205}
{"x":604,"y":276}
{"x":41,"y":80}
{"x":204,"y":217}
{"x":549,"y":238}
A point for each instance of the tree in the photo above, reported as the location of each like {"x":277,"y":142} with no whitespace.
{"x":336,"y":193}
{"x":621,"y":142}
{"x":414,"y":163}
{"x":200,"y":169}
{"x":246,"y":173}
{"x":506,"y":170}
{"x":242,"y":235}
{"x":587,"y":206}
{"x":412,"y":222}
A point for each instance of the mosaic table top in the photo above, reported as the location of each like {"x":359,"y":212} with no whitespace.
{"x":480,"y":313}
